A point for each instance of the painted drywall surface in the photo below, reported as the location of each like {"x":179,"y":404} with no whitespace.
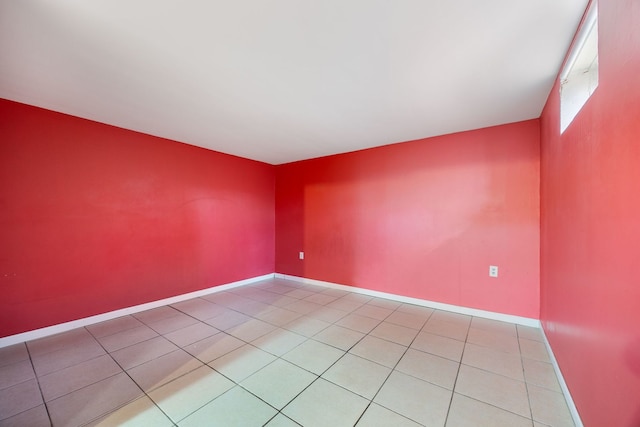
{"x":590,"y":230}
{"x":95,"y":218}
{"x":423,"y":219}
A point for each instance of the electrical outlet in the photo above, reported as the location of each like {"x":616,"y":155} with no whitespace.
{"x":493,"y":271}
{"x":301,"y":255}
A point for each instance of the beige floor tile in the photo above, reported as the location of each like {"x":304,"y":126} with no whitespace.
{"x":156,"y":314}
{"x":227,"y":320}
{"x":279,"y":342}
{"x":34,"y":417}
{"x":534,"y":350}
{"x":345,"y":304}
{"x":373,"y":311}
{"x":413,"y":321}
{"x":76,"y":337}
{"x":451,"y":317}
{"x":15,"y":373}
{"x":378,"y":350}
{"x":549,"y":407}
{"x":142,"y":352}
{"x":303,"y":307}
{"x":140,"y":412}
{"x":358,"y":323}
{"x":251,"y":330}
{"x":541,"y":374}
{"x":378,"y":416}
{"x":428,"y":367}
{"x":384,"y":303}
{"x":113,"y":326}
{"x":489,"y":359}
{"x":325,"y":404}
{"x":19,"y":398}
{"x":494,"y":389}
{"x":69,"y":356}
{"x":279,"y":316}
{"x":13,"y":354}
{"x":188,"y":393}
{"x":394,"y":333}
{"x":191,"y":334}
{"x":253,"y":308}
{"x":417,"y":310}
{"x":358,"y":375}
{"x":495,"y":340}
{"x":94,"y":401}
{"x":242,"y":362}
{"x":126,"y":338}
{"x":467,"y":412}
{"x":170,"y":324}
{"x":418,"y":400}
{"x":338,"y":293}
{"x":163,"y":369}
{"x":306,"y":326}
{"x":354,"y":296}
{"x":455,"y":330}
{"x":282,"y":301}
{"x":314,"y":356}
{"x":530,"y":333}
{"x":263,"y":296}
{"x":330,"y":315}
{"x":448,"y":348}
{"x":215,"y":346}
{"x":339,"y":337}
{"x":322,"y":299}
{"x":278,"y":383}
{"x":199,"y":308}
{"x":223,"y":298}
{"x":491,"y":325}
{"x":281,"y":421}
{"x":77,"y":376}
{"x":299,"y":293}
{"x":237,"y":407}
{"x":280,"y":286}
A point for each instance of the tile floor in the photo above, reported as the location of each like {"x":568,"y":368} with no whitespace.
{"x":281,"y":353}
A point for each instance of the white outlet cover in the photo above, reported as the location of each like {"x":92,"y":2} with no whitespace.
{"x":301,"y":255}
{"x":493,"y":271}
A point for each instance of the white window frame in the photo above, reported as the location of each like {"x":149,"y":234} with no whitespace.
{"x":579,"y":77}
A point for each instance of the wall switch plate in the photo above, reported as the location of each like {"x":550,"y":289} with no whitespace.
{"x":301,"y":255}
{"x":493,"y":271}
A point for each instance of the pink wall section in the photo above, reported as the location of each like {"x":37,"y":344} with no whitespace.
{"x":95,"y":218}
{"x":590,"y":233}
{"x":423,"y":219}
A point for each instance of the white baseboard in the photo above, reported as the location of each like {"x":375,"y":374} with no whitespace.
{"x":563,"y":385}
{"x":67,"y":326}
{"x":525,"y":321}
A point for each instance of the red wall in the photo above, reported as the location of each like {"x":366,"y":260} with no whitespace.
{"x":423,"y":219}
{"x":590,"y":234}
{"x":95,"y":218}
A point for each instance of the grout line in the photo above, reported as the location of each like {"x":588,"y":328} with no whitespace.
{"x":455,"y":382}
{"x":35,"y":374}
{"x":144,"y":393}
{"x":526,"y":385}
{"x":394,"y":368}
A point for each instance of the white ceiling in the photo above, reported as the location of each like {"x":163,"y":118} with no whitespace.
{"x":285,"y":80}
